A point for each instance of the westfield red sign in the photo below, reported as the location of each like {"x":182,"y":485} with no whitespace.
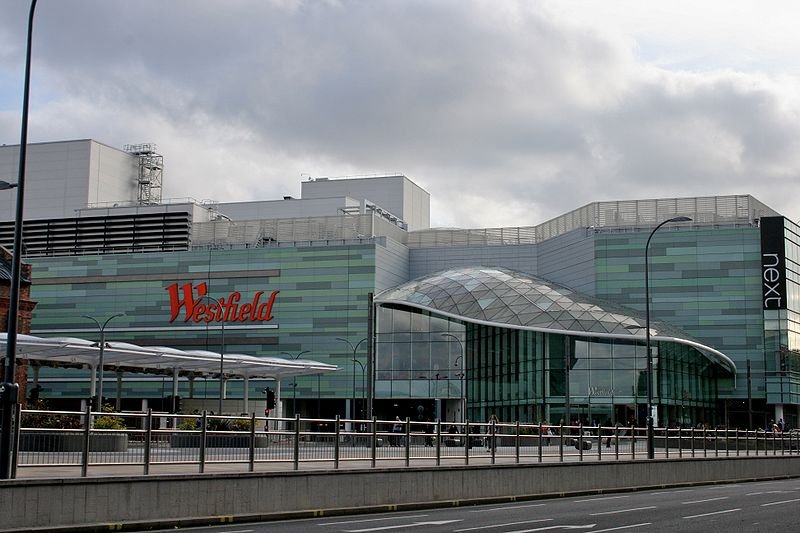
{"x":230,"y":308}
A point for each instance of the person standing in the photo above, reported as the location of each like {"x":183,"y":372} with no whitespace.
{"x":397,"y":428}
{"x":491,"y":439}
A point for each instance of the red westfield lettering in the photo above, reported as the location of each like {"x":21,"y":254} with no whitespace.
{"x":229,"y":309}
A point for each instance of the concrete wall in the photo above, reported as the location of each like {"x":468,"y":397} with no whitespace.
{"x":164,"y":501}
{"x":67,"y":175}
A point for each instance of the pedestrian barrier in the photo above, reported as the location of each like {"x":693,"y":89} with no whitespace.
{"x":87,"y":442}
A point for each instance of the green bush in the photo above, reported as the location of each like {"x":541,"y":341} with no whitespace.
{"x":189,"y":424}
{"x":109,"y":422}
{"x":48,"y":421}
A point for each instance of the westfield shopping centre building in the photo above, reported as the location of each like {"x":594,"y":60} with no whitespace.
{"x":543,"y":322}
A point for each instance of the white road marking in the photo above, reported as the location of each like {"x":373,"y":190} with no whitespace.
{"x":239,"y":531}
{"x":399,"y":517}
{"x":561,"y":526}
{"x":623,"y":527}
{"x":704,"y":501}
{"x":508,"y":507}
{"x":711,"y":514}
{"x":404,"y":526}
{"x":767,"y":492}
{"x":624,"y":510}
{"x":504,"y":525}
{"x":600,"y":499}
{"x":780,"y":503}
{"x":671,"y":492}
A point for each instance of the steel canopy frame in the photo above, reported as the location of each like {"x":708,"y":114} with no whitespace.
{"x":69,"y":351}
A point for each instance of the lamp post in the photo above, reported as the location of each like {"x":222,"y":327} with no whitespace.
{"x":354,"y":350}
{"x":462,"y":374}
{"x":222,"y":351}
{"x":650,"y":436}
{"x":9,"y":390}
{"x":99,"y":404}
{"x":363,"y":386}
{"x":294,"y":380}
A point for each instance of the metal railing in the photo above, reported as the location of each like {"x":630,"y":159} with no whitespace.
{"x":69,"y":443}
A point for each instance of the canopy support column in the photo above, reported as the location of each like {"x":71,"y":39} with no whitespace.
{"x":246,"y":395}
{"x":118,"y":402}
{"x":175,"y":374}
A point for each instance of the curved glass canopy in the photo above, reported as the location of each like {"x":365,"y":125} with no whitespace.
{"x":505,"y":298}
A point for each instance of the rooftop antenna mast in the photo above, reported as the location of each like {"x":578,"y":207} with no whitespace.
{"x":151,"y":168}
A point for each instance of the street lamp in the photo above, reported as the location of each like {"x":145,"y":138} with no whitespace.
{"x":294,"y":380}
{"x":462,"y":375}
{"x":9,"y":390}
{"x":221,"y":353}
{"x":363,"y":387}
{"x":4,"y":185}
{"x":102,"y":328}
{"x":354,"y":349}
{"x":651,"y":453}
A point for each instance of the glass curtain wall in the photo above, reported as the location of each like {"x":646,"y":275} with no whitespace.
{"x":524,"y":375}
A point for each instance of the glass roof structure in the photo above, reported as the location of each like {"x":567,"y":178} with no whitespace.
{"x":505,"y":298}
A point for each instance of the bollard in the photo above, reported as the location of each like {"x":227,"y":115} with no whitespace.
{"x":408,"y":441}
{"x":15,"y":445}
{"x":516,"y":445}
{"x":296,"y":442}
{"x":374,"y":439}
{"x":466,"y":442}
{"x":438,"y":442}
{"x":561,"y":442}
{"x":203,"y":431}
{"x":251,"y":459}
{"x":540,"y":442}
{"x":492,"y":441}
{"x":87,"y":426}
{"x":148,"y":432}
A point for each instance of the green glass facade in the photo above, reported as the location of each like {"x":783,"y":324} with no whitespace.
{"x":706,"y":281}
{"x":323,"y":296}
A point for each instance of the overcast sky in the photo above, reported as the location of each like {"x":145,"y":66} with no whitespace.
{"x":507,"y":113}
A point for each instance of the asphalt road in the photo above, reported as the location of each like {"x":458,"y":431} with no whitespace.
{"x":744,"y":507}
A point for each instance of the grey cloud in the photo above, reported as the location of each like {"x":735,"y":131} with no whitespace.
{"x":472,"y":100}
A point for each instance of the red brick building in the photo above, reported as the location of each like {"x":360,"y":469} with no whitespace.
{"x":26,"y":307}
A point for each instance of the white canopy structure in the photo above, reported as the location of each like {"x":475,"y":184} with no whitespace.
{"x":125,"y":357}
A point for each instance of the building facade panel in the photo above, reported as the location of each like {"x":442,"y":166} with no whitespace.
{"x":322,"y":295}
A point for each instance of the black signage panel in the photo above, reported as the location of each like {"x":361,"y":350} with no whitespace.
{"x":773,"y":263}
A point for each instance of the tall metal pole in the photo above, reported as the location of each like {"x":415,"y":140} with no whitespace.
{"x":99,"y":401}
{"x":294,"y":380}
{"x":363,"y":386}
{"x":221,"y":353}
{"x":354,"y":350}
{"x":463,"y":358}
{"x":651,"y":453}
{"x":10,"y":389}
{"x":370,"y":355}
{"x":749,"y":397}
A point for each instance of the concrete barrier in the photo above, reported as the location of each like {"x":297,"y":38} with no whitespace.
{"x":180,"y":500}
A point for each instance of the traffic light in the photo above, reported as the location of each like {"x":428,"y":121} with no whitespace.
{"x":270,"y":398}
